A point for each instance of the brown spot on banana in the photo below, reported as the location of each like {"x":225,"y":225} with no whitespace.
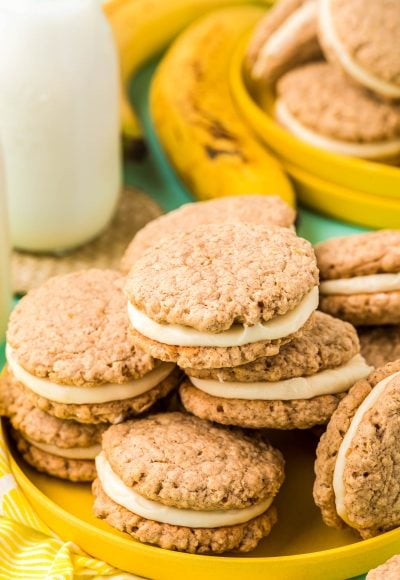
{"x":214,"y":152}
{"x":219,"y":131}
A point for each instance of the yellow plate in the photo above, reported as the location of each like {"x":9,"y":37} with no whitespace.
{"x":300,"y":546}
{"x":354,"y":174}
{"x":345,"y":204}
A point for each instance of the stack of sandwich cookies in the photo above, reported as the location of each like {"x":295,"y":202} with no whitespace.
{"x":69,"y":346}
{"x":297,"y":389}
{"x":357,"y":36}
{"x":358,"y":463}
{"x":58,"y":447}
{"x":222,"y":295}
{"x":360,"y":277}
{"x":379,"y":344}
{"x":285,"y":38}
{"x":178,"y":482}
{"x":346,"y":104}
{"x":253,"y":209}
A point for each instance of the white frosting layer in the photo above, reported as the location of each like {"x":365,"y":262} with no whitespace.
{"x":362,"y":284}
{"x":326,"y":382}
{"x":238,"y":335}
{"x":381,"y":150}
{"x":71,"y":453}
{"x":87,"y":395}
{"x":352,"y":68}
{"x":284,"y":35}
{"x":345,"y":447}
{"x":125,"y":496}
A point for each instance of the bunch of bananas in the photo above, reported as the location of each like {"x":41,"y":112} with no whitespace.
{"x":195,"y":118}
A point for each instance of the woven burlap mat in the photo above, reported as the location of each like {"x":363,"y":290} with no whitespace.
{"x":134,"y":211}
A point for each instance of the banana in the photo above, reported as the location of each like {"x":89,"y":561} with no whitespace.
{"x":142,"y":29}
{"x":195,"y":118}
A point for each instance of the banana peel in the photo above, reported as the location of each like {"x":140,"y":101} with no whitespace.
{"x":142,"y":29}
{"x":193,"y":113}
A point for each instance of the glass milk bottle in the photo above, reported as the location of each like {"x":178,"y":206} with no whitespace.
{"x":59,"y":121}
{"x":5,"y":284}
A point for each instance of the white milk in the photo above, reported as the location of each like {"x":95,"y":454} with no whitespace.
{"x":59,"y":121}
{"x":5,"y":286}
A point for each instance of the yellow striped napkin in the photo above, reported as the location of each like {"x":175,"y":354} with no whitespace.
{"x":28,"y":548}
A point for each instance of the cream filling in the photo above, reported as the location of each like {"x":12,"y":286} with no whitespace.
{"x":237,"y":335}
{"x":284,"y":36}
{"x":70,"y":395}
{"x":347,"y":62}
{"x":381,"y":150}
{"x":125,"y":496}
{"x":362,"y":284}
{"x":71,"y":453}
{"x":328,"y":382}
{"x":345,"y":447}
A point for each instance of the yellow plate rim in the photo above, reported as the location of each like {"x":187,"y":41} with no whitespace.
{"x":362,"y":209}
{"x":345,"y":193}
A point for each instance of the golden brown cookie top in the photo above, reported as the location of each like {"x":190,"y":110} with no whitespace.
{"x":359,"y":255}
{"x":254,"y":209}
{"x":328,"y":344}
{"x":220,"y":275}
{"x":182,"y":461}
{"x":321,"y":98}
{"x":74,"y":329}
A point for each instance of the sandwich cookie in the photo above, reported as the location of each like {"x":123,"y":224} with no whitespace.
{"x":253,"y":209}
{"x":318,"y":105}
{"x":222,"y":295}
{"x":361,"y":37}
{"x":358,"y":464}
{"x":361,"y":277}
{"x":69,"y":345}
{"x":390,"y":570}
{"x":380,"y":344}
{"x":61,"y":448}
{"x":183,"y":484}
{"x":297,"y":389}
{"x":285,"y":38}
